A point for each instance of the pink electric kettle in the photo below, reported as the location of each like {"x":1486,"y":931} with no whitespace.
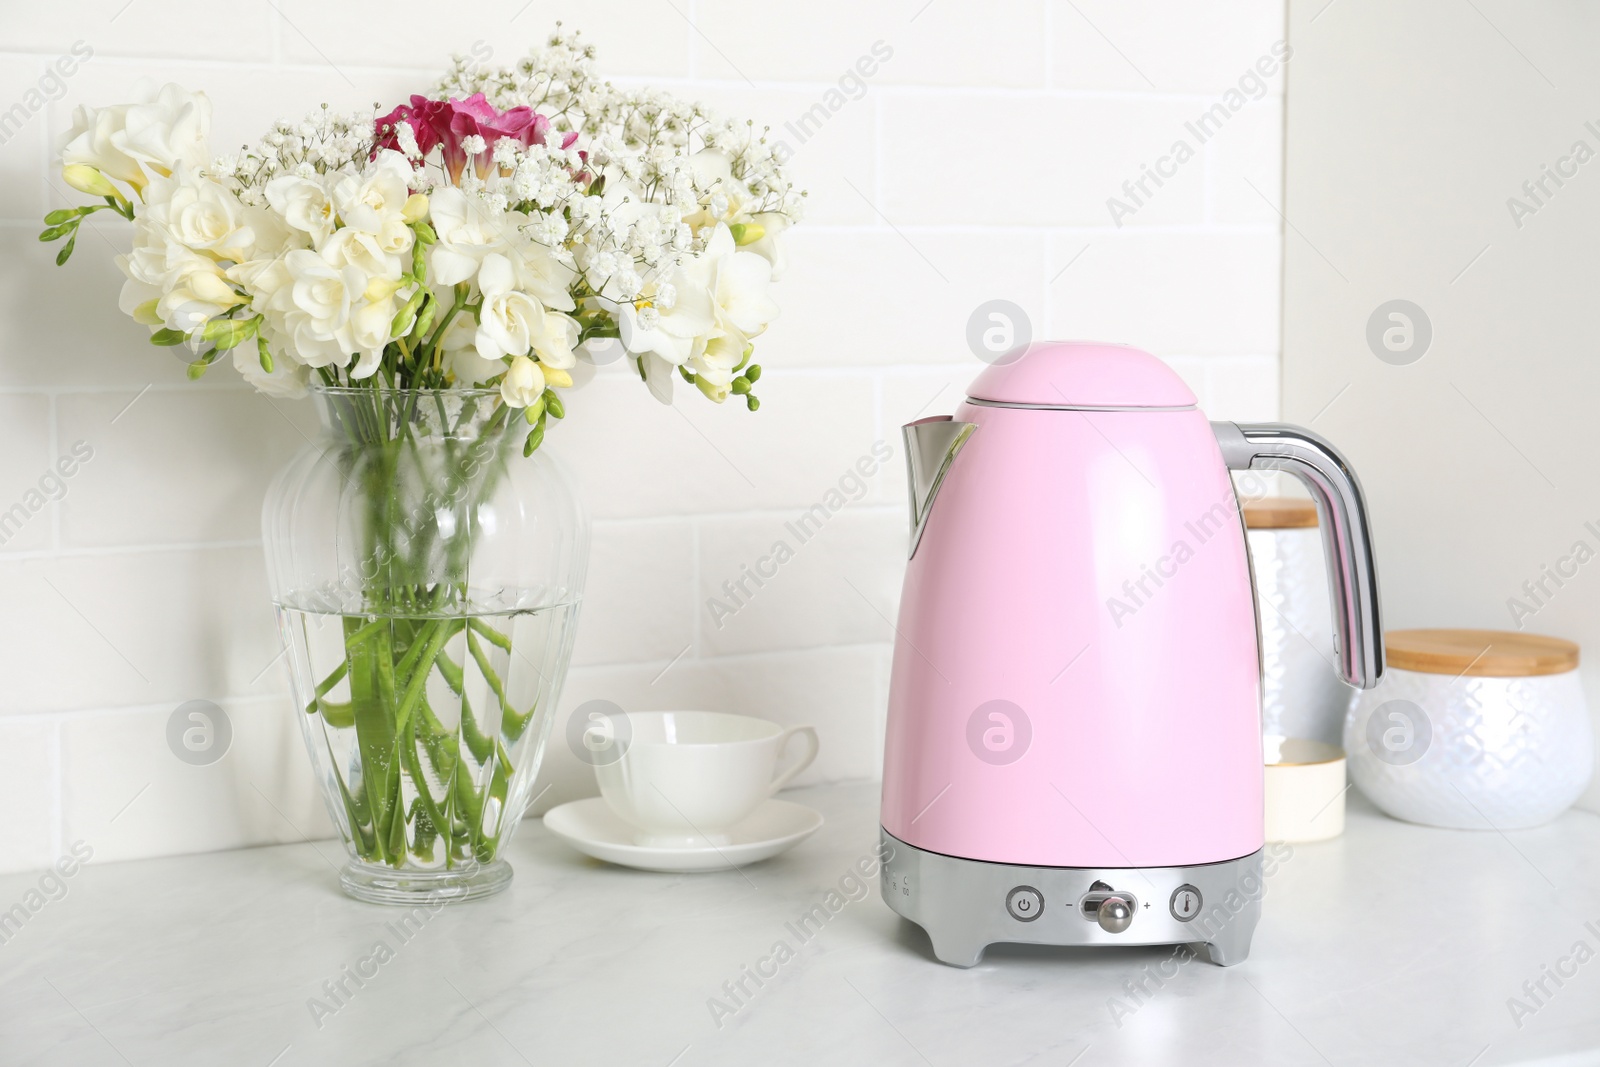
{"x":1074,"y":739}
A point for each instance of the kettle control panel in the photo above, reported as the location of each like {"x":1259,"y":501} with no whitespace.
{"x":966,"y":905}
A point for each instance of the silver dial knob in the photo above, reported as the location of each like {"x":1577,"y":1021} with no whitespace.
{"x":1114,"y":915}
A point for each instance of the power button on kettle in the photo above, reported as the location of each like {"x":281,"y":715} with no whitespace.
{"x":1024,"y":903}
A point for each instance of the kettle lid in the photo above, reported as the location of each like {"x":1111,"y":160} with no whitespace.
{"x":1081,"y":374}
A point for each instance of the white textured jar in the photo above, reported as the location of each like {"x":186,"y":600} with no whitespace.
{"x":1473,"y":730}
{"x":1301,"y":695}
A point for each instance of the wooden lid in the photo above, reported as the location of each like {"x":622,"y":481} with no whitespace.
{"x":1279,"y":513}
{"x":1480,"y":653}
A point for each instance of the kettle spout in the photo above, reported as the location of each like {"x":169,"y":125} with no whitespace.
{"x":931,"y":446}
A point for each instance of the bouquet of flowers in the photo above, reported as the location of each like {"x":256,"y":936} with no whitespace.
{"x":436,"y":273}
{"x":480,"y":235}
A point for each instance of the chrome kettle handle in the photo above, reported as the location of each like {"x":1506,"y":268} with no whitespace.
{"x":1346,"y":537}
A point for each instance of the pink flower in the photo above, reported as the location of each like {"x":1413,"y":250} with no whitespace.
{"x":445,"y":124}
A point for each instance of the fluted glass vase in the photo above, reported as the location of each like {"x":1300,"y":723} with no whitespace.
{"x":427,"y":578}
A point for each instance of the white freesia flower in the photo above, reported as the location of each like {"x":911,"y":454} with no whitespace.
{"x":195,"y":291}
{"x":514,"y":323}
{"x":767,"y":246}
{"x":133,"y":142}
{"x":739,"y":284}
{"x":362,"y":250}
{"x":467,"y":232}
{"x":523,"y":383}
{"x":304,"y":204}
{"x":366,"y":201}
{"x":669,"y":333}
{"x":713,"y":364}
{"x":460,"y":352}
{"x":543,"y":275}
{"x":202,"y":215}
{"x":331,"y":319}
{"x":374,"y":201}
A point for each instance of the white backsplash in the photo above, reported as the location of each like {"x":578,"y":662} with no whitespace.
{"x":974,"y":164}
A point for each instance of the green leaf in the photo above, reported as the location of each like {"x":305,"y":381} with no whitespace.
{"x":66,"y":250}
{"x":55,"y":233}
{"x":425,"y":233}
{"x":167,"y":338}
{"x":57,"y":217}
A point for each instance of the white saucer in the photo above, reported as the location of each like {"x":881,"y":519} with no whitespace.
{"x":591,"y":827}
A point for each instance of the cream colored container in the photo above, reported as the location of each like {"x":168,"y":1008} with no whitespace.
{"x":1305,"y":789}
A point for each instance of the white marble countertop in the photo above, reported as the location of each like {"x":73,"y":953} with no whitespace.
{"x":1392,"y":945}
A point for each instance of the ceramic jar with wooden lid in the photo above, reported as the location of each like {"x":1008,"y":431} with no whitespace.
{"x":1473,"y":730}
{"x":1301,"y":695}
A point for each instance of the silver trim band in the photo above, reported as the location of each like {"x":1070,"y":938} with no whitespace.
{"x":1076,"y":407}
{"x":962,"y":903}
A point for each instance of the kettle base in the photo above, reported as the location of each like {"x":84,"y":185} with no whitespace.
{"x":967,"y":905}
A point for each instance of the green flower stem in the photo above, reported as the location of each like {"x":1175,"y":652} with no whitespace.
{"x":490,"y":634}
{"x":419,"y":676}
{"x":441,"y":824}
{"x":479,"y":744}
{"x":487,"y":669}
{"x":374,"y":727}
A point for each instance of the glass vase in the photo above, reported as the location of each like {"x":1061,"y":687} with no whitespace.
{"x":427,"y":578}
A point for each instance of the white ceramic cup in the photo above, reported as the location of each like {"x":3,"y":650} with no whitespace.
{"x":688,"y":777}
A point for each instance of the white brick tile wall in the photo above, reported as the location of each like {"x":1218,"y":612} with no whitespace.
{"x":640,"y":585}
{"x":1062,"y":177}
{"x":29,"y":793}
{"x":973,"y":162}
{"x":230,"y":442}
{"x":1154,"y":45}
{"x":1246,"y":175}
{"x":123,"y":791}
{"x":30,"y":486}
{"x":162,"y":29}
{"x":939,"y":274}
{"x":1193,"y":293}
{"x":917,"y":42}
{"x":801,"y":578}
{"x":22,"y":131}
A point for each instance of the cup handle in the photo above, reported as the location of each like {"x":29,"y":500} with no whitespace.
{"x":810,"y":734}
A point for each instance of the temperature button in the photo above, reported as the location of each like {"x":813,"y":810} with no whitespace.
{"x":1186,"y":901}
{"x":1024,"y":903}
